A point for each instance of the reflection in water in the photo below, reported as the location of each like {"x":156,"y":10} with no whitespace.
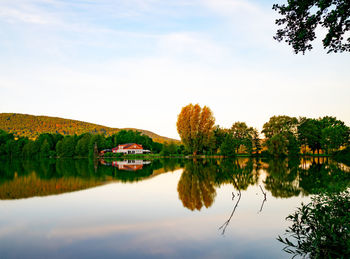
{"x":196,"y":187}
{"x":264,"y":200}
{"x":282,"y":178}
{"x":128,"y":165}
{"x":227,"y":222}
{"x":29,"y":178}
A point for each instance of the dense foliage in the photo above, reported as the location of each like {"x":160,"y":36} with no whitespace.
{"x":195,"y":127}
{"x":289,"y":135}
{"x":57,"y":145}
{"x":301,"y":19}
{"x":24,"y":125}
{"x":320,"y":229}
{"x":284,"y":136}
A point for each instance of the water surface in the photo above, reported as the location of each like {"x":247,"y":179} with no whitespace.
{"x":164,"y":208}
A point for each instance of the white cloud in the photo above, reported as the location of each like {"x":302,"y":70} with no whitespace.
{"x":191,"y":46}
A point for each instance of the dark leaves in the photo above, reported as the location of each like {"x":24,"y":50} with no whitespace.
{"x":302,"y":17}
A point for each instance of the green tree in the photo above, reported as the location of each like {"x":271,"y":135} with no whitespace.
{"x":82,"y":147}
{"x":321,"y":228}
{"x":277,"y":145}
{"x":59,"y":149}
{"x":31,"y":149}
{"x":256,"y":141}
{"x":243,"y":136}
{"x":68,"y":146}
{"x":309,"y":133}
{"x":4,"y":138}
{"x":281,"y":135}
{"x":45,"y":149}
{"x":219,"y":135}
{"x":334,"y":133}
{"x":97,"y":139}
{"x":302,"y":17}
{"x":228,"y":146}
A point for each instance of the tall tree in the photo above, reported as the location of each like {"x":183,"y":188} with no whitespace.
{"x":281,"y":134}
{"x":302,"y":17}
{"x":195,"y":127}
{"x":334,"y":133}
{"x":228,"y":146}
{"x":243,"y":136}
{"x":309,"y":133}
{"x":256,"y":141}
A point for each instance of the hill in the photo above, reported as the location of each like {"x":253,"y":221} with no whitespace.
{"x":32,"y":126}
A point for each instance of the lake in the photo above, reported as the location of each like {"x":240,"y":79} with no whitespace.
{"x":170,"y":208}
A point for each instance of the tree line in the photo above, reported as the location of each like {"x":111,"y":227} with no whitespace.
{"x":57,"y":145}
{"x":284,"y":135}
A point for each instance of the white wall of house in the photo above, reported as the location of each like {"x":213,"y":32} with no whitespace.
{"x":130,"y":151}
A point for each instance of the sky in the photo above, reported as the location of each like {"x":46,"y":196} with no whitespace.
{"x":136,"y":63}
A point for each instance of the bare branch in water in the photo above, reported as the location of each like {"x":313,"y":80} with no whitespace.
{"x":262,"y":204}
{"x":227,"y":222}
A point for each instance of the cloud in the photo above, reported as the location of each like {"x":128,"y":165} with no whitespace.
{"x":250,"y":24}
{"x":231,"y":7}
{"x":12,"y":15}
{"x":192,"y":46}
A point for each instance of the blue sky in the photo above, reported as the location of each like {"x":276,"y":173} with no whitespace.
{"x":133,"y":63}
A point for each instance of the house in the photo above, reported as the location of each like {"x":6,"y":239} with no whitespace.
{"x":130,"y":148}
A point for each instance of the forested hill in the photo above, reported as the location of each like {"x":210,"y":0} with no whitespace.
{"x":32,"y":126}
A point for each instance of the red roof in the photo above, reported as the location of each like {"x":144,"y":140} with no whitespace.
{"x":129,"y":146}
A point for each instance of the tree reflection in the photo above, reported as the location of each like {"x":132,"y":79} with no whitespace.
{"x":282,"y":178}
{"x":238,"y":172}
{"x":200,"y":178}
{"x":28,"y":178}
{"x":323,"y":177}
{"x":196,"y":185}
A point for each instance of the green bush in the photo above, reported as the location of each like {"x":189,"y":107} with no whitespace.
{"x":320,"y":229}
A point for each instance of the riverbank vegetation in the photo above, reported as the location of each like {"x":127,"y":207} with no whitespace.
{"x":321,"y":228}
{"x":283,"y":136}
{"x":57,"y":145}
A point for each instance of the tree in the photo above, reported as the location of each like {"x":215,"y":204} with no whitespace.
{"x":281,"y":135}
{"x":277,"y":145}
{"x":169,"y":149}
{"x":256,"y":141}
{"x":321,"y":228}
{"x":302,"y":17}
{"x":228,"y":146}
{"x":68,"y":146}
{"x":45,"y":148}
{"x":242,"y":135}
{"x":97,"y":139}
{"x":30,"y":149}
{"x":309,"y":133}
{"x":219,"y":137}
{"x":82,"y":147}
{"x":334,"y":133}
{"x":195,"y":127}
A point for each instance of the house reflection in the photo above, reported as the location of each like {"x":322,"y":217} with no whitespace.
{"x":127,"y":165}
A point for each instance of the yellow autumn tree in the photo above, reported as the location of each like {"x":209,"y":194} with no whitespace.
{"x":195,"y":127}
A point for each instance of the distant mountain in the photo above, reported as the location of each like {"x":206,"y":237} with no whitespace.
{"x":32,"y":126}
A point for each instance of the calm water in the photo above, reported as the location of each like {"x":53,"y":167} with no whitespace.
{"x":164,"y":208}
